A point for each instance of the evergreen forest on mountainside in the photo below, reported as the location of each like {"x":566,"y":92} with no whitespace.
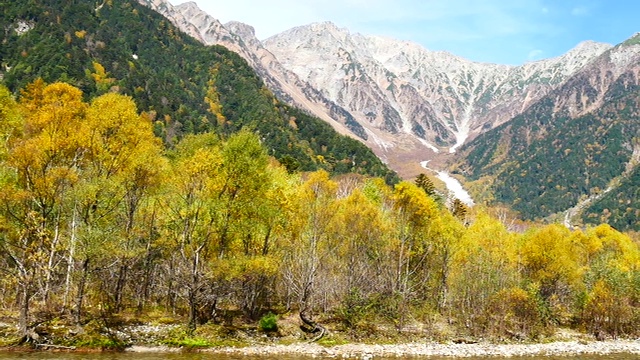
{"x":125,"y":47}
{"x":541,"y":164}
{"x":620,"y":209}
{"x":171,"y":189}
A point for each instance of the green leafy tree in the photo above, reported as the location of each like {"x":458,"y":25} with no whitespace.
{"x":190,"y":215}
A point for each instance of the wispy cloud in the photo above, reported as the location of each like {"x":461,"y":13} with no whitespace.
{"x":580,"y":11}
{"x":535,"y":54}
{"x":489,"y":30}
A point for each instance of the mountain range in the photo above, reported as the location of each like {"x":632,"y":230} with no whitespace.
{"x":574,"y":152}
{"x":556,"y":139}
{"x":406,"y":102}
{"x":569,"y":121}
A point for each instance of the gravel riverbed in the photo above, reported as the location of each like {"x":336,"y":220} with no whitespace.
{"x":429,"y":349}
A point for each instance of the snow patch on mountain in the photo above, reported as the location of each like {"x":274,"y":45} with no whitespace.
{"x":429,"y":145}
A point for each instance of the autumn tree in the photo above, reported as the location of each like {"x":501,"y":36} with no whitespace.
{"x":100,"y":77}
{"x":256,"y":262}
{"x":309,"y":243}
{"x":43,"y":162}
{"x":489,"y":252}
{"x":213,"y":97}
{"x":123,"y":166}
{"x":11,"y":127}
{"x":246,"y":217}
{"x":190,"y":216}
{"x":413,"y":248}
{"x":361,"y":233}
{"x":612,"y":295}
{"x":11,"y":121}
{"x":550,"y":258}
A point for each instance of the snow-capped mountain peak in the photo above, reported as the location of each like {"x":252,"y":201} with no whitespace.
{"x":403,"y":100}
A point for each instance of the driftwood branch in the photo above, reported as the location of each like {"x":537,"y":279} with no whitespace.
{"x":311,"y":326}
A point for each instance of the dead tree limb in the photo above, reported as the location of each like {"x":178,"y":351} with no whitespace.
{"x":311,"y":326}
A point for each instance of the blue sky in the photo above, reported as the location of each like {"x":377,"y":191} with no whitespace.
{"x":497,"y":31}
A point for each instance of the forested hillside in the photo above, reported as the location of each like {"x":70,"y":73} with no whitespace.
{"x":546,"y":160}
{"x":121,"y":46}
{"x":620,"y":208}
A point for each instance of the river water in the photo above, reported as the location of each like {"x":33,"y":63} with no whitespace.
{"x":452,"y":184}
{"x":206,"y":356}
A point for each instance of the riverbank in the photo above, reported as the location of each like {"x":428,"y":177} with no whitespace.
{"x":246,"y":340}
{"x":568,"y":348}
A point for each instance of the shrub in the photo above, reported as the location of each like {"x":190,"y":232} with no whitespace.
{"x":516,"y":312}
{"x":269,"y":323}
{"x":608,"y":312}
{"x":353,"y":309}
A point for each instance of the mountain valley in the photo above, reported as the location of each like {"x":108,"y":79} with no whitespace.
{"x":411,"y":105}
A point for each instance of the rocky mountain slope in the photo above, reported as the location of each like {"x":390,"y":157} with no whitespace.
{"x":400,"y":87}
{"x":575,"y":149}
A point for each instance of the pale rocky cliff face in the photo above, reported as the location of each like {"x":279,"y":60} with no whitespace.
{"x":165,"y":8}
{"x":400,"y":87}
{"x":407,"y":103}
{"x":587,"y":90}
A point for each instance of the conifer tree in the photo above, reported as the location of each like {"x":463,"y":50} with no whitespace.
{"x":459,"y":209}
{"x":425,"y":184}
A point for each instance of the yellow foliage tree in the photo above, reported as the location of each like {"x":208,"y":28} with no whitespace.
{"x":550,"y":258}
{"x":11,"y":121}
{"x":189,"y":215}
{"x":101,"y":78}
{"x":213,"y":98}
{"x":489,"y":252}
{"x":310,"y":229}
{"x":123,"y":167}
{"x":44,"y":159}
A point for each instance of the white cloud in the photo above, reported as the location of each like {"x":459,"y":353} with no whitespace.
{"x":270,"y":17}
{"x":580,"y":11}
{"x":436,"y":24}
{"x":535,"y":55}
